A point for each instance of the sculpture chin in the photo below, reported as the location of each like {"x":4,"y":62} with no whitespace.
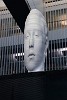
{"x":37,"y":69}
{"x":31,"y":67}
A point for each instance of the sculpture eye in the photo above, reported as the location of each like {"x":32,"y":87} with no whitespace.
{"x":27,"y":35}
{"x":36,"y":34}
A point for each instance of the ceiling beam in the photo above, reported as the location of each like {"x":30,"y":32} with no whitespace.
{"x":19,"y":10}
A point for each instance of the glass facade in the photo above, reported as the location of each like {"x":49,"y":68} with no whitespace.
{"x":11,"y":45}
{"x":57,"y":55}
{"x":56,"y":17}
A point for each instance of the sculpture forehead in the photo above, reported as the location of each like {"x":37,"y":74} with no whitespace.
{"x":34,"y":26}
{"x":35,"y":16}
{"x":36,"y":12}
{"x":35,"y":20}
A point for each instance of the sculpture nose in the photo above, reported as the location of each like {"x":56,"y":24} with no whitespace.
{"x":31,"y":41}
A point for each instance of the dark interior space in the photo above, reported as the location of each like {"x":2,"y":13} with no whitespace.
{"x":34,"y":86}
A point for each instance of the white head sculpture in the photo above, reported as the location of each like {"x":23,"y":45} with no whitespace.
{"x":35,"y":41}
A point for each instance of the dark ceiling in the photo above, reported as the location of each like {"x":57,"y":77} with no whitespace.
{"x":19,"y":11}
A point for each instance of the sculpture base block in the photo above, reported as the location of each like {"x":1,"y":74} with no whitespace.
{"x":34,"y":86}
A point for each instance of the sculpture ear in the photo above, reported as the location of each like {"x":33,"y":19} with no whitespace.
{"x":45,"y":50}
{"x":46,"y":46}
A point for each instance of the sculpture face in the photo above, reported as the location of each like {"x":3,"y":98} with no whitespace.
{"x":33,"y":46}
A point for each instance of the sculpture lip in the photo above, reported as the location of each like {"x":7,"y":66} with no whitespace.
{"x":31,"y":55}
